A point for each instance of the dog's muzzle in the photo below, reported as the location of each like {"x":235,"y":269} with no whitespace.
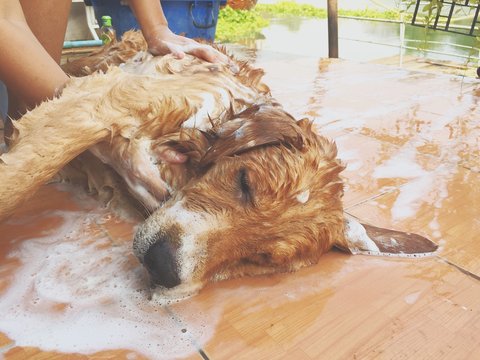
{"x":160,"y":260}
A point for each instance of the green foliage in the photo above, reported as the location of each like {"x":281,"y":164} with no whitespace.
{"x":291,"y":8}
{"x":372,"y":14}
{"x":234,"y":25}
{"x":433,"y":8}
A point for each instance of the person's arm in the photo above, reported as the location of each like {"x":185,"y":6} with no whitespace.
{"x":161,"y":40}
{"x":29,"y":71}
{"x":25,"y":66}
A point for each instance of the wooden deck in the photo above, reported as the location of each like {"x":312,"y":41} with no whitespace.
{"x":68,"y":285}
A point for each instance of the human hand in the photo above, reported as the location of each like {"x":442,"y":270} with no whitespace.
{"x":163,"y":41}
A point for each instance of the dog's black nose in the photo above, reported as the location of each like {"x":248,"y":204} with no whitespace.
{"x":161,"y":263}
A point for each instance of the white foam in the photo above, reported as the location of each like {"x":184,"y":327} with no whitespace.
{"x":354,"y":165}
{"x":434,"y":224}
{"x":303,"y":196}
{"x":239,"y":133}
{"x":200,"y":120}
{"x":411,"y":197}
{"x":75,"y":293}
{"x":402,"y":165}
{"x":412,"y":298}
{"x":429,"y":189}
{"x":357,"y":237}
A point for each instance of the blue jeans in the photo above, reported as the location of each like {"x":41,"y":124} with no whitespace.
{"x":3,"y":101}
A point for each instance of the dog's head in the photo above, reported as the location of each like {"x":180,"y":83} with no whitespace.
{"x":265,"y":197}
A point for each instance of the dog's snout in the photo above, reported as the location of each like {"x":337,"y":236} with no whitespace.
{"x":160,"y":261}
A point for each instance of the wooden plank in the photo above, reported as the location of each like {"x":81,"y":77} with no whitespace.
{"x":368,"y":307}
{"x":345,"y":307}
{"x":444,"y":207}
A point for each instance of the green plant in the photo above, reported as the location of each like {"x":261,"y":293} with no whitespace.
{"x":234,"y":25}
{"x":372,"y":14}
{"x":291,"y":8}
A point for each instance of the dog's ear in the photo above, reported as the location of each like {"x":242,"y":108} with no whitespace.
{"x":259,"y":125}
{"x":371,"y":240}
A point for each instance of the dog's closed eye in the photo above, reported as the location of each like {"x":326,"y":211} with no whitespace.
{"x":246,"y":194}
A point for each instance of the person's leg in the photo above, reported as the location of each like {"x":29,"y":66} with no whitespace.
{"x":30,"y":67}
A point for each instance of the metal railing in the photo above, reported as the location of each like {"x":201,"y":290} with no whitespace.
{"x":444,"y":15}
{"x":448,"y":25}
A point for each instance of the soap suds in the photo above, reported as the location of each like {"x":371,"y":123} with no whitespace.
{"x":412,"y":298}
{"x":78,"y":292}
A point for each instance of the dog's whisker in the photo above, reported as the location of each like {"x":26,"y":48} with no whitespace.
{"x":146,"y":209}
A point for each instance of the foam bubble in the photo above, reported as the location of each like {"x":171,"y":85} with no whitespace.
{"x":402,"y":165}
{"x":412,"y":298}
{"x":78,"y":292}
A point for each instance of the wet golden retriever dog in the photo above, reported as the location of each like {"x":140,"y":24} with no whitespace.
{"x":260,"y":192}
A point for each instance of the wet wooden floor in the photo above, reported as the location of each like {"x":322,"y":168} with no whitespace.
{"x":411,"y":142}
